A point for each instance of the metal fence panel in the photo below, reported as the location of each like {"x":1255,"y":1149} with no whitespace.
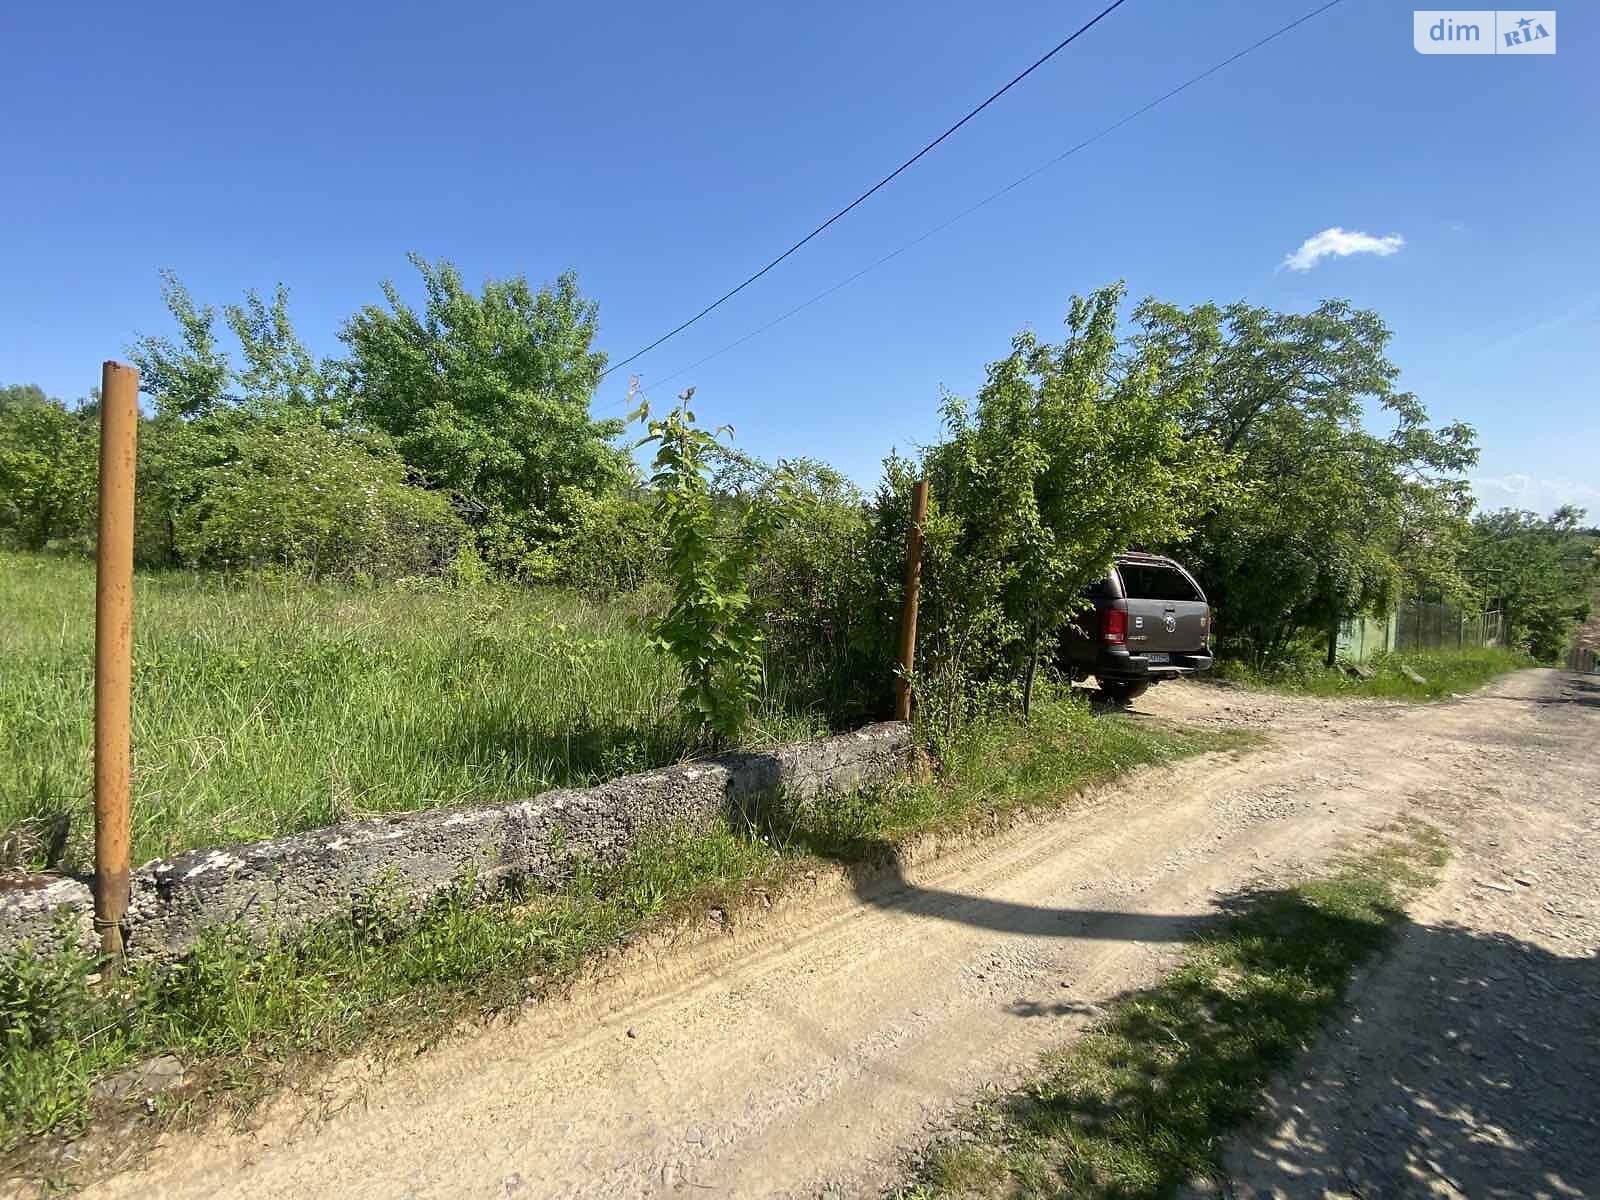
{"x":1417,"y":625}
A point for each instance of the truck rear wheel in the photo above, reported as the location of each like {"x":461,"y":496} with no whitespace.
{"x":1121,"y":692}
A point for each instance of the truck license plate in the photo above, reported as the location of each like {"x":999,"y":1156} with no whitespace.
{"x":1158,"y":658}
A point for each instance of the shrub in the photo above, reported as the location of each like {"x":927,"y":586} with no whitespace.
{"x":828,"y":587}
{"x":712,"y":628}
{"x":614,"y":544}
{"x":231,"y":491}
{"x":49,"y":470}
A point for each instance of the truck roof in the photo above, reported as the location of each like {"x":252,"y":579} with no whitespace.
{"x":1140,"y":556}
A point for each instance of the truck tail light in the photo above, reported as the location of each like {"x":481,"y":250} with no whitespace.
{"x":1114,"y":626}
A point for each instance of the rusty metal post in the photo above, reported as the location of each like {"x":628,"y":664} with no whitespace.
{"x":113,"y":655}
{"x":908,"y":609}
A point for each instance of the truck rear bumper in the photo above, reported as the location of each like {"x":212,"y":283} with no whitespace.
{"x":1116,"y":663}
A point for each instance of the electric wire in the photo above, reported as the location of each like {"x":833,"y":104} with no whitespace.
{"x":1010,"y":187}
{"x":1016,"y":79}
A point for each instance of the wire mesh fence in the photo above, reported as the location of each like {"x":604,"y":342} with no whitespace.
{"x":1419,"y":625}
{"x":1423,"y":626}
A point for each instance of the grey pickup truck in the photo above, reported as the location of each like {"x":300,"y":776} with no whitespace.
{"x":1149,"y":621}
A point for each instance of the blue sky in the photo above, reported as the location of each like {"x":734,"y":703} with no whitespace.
{"x":666,"y":151}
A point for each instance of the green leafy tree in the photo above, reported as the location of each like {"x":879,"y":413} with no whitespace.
{"x":488,"y":395}
{"x":1542,"y":573}
{"x":204,"y":410}
{"x":21,"y":395}
{"x":174,"y":454}
{"x":49,"y":469}
{"x":188,"y":378}
{"x":712,"y":627}
{"x":258,"y":466}
{"x":278,"y":370}
{"x":1331,"y":517}
{"x":1069,"y":454}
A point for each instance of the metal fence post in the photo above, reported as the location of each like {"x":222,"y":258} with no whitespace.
{"x":113,"y":655}
{"x":908,"y":609}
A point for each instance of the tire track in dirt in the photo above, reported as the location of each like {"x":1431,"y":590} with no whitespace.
{"x":803,"y":1052}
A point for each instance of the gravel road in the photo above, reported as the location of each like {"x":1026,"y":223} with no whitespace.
{"x":806,"y":1051}
{"x":1470,"y":1064}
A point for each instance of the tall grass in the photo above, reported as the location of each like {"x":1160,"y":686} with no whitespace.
{"x":1443,"y":672}
{"x":267,"y":706}
{"x":244,"y":1019}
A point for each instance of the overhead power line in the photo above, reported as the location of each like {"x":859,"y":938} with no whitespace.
{"x":728,"y":295}
{"x":1010,"y":187}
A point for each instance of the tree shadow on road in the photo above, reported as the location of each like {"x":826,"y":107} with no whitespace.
{"x":1574,"y":691}
{"x":1467,"y":1060}
{"x":1471,"y":1061}
{"x":885,"y":886}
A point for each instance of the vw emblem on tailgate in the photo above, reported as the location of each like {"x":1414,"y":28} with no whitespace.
{"x":1172,"y":623}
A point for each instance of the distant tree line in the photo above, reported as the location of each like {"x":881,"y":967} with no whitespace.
{"x":1274,"y":452}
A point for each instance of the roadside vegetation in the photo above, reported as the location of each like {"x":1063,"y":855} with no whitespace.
{"x":243,"y":1022}
{"x":266,"y":705}
{"x":1444,"y":673}
{"x":454,"y":440}
{"x":426,"y":573}
{"x":1140,"y":1104}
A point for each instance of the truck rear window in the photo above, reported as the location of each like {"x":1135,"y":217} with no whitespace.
{"x":1142,"y":582}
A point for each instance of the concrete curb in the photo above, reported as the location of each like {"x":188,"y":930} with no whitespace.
{"x":286,"y":885}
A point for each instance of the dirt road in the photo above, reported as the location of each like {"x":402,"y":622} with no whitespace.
{"x":1470,"y":1062}
{"x":804,"y":1053}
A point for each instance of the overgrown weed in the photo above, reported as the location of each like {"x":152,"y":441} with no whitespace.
{"x":247,"y":1020}
{"x":1444,"y":673}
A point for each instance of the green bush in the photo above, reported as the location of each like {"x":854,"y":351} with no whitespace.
{"x":614,"y":544}
{"x":712,"y":628}
{"x":233,"y":491}
{"x":49,"y":470}
{"x":57,"y":1033}
{"x":827,"y":584}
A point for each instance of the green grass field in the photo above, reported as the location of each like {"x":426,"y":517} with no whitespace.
{"x":244,"y":1022}
{"x":1447,"y":672}
{"x":265,"y":707}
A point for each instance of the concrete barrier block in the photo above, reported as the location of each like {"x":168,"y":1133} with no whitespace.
{"x":286,"y":885}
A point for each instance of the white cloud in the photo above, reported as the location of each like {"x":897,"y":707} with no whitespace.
{"x":1336,"y":243}
{"x":1542,"y":496}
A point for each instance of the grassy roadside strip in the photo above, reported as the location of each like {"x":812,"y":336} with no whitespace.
{"x":1140,"y":1103}
{"x":245,"y":1023}
{"x":1445,"y":672}
{"x":266,"y":705}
